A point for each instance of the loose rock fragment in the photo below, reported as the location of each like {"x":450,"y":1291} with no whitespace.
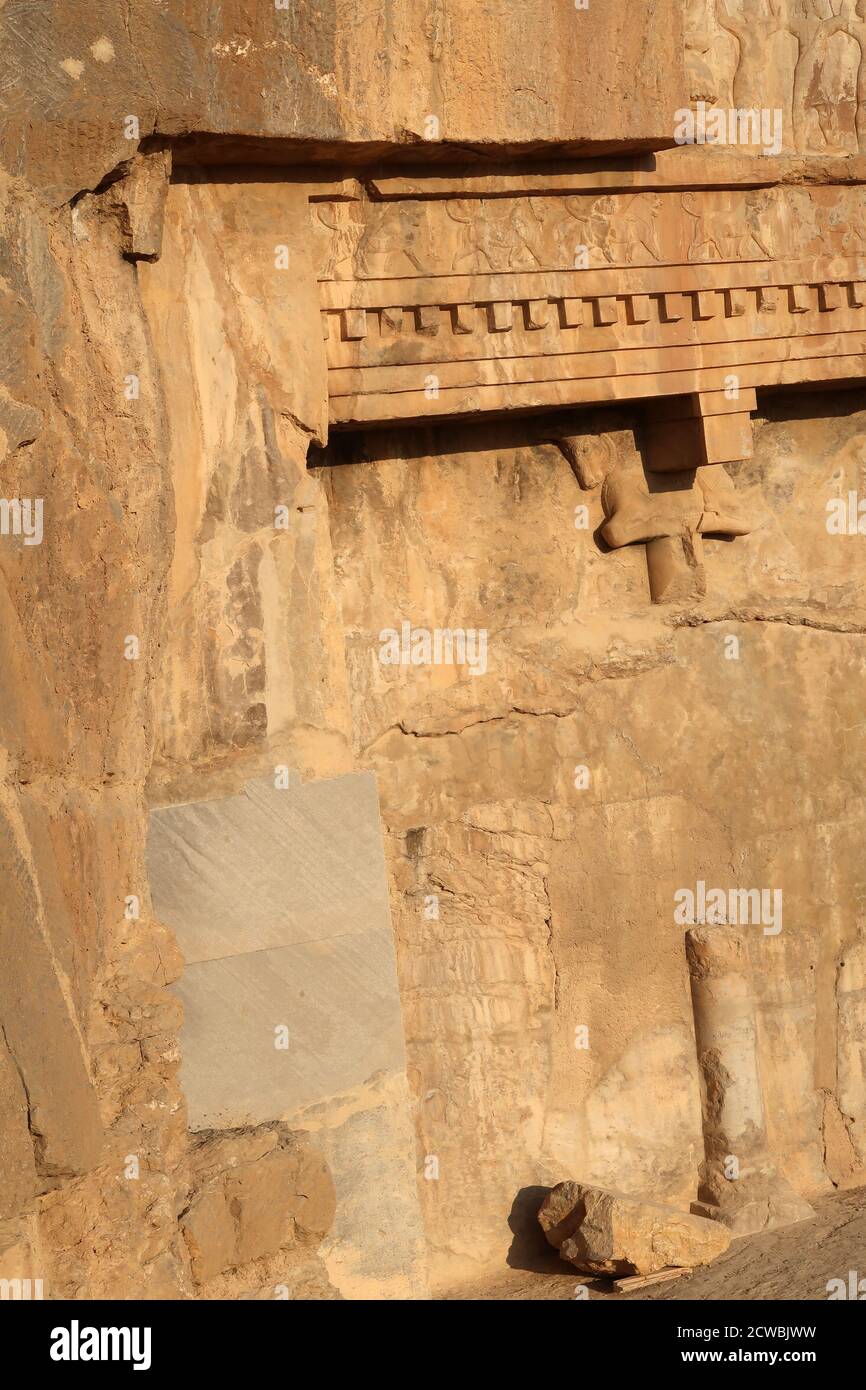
{"x":603,"y":1232}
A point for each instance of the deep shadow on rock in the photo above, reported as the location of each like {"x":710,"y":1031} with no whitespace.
{"x":529,"y":1249}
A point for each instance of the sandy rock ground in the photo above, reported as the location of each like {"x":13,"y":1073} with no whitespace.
{"x":794,"y":1263}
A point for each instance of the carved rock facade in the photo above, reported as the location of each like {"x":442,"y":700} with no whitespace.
{"x":467,"y":487}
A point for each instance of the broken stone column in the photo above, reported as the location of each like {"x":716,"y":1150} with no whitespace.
{"x":740,"y":1184}
{"x":608,"y":1233}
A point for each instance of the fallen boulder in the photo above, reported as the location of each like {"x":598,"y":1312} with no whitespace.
{"x":602,"y":1232}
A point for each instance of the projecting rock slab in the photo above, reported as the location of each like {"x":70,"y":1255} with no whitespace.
{"x":608,"y":1233}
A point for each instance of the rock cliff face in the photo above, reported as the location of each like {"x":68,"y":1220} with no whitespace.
{"x":373,"y":439}
{"x":556,"y":900}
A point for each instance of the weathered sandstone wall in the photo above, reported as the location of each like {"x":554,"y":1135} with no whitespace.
{"x":90,"y":1057}
{"x":556,"y":904}
{"x":202,"y":623}
{"x":318,"y":75}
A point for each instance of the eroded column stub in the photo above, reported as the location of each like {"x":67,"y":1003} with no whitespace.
{"x":740,"y":1183}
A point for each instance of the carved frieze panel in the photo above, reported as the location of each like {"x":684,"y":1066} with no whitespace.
{"x":443,"y":306}
{"x":685,"y":300}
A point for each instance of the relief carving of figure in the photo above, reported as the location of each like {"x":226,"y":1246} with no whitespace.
{"x":528,"y":220}
{"x":813,"y":30}
{"x":434,"y":28}
{"x":473,"y":242}
{"x":802,"y":225}
{"x":336,"y":246}
{"x":584,"y":226}
{"x":835,"y":225}
{"x":855,"y":15}
{"x":703,"y":81}
{"x":754,"y":33}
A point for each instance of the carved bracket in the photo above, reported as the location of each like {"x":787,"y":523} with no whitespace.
{"x":680,"y":495}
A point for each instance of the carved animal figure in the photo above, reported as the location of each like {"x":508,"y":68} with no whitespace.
{"x":494,"y":236}
{"x":584,"y":226}
{"x":630,"y":228}
{"x":721,"y":232}
{"x":387,"y":246}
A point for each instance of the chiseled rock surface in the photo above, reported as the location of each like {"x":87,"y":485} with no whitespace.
{"x":608,"y":1233}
